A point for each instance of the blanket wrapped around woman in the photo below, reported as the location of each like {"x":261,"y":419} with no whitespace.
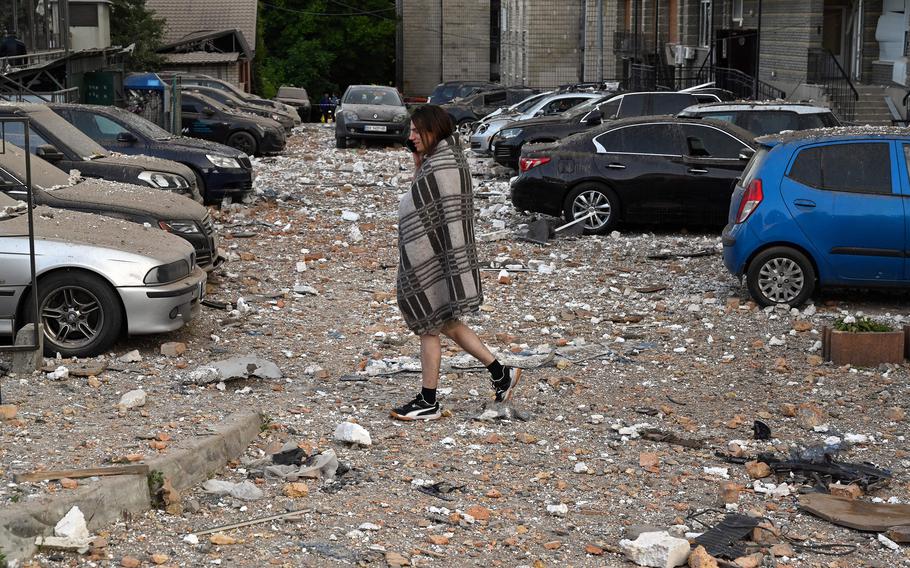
{"x":438,"y":274}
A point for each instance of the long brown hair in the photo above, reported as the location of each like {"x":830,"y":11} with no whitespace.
{"x":433,"y":124}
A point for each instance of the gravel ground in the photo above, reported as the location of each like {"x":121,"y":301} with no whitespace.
{"x":633,"y":328}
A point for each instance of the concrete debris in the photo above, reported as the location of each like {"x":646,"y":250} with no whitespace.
{"x":353,"y":433}
{"x":132,"y":399}
{"x":245,"y":491}
{"x":131,"y":357}
{"x":322,"y":466}
{"x":656,"y":549}
{"x":241,"y":368}
{"x":501,"y":411}
{"x":70,"y":533}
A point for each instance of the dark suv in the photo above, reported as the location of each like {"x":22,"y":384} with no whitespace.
{"x":762,"y":118}
{"x":471,"y":109}
{"x":239,"y":105}
{"x":208,"y":81}
{"x":221,"y":171}
{"x":206,"y":118}
{"x":508,"y":143}
{"x":59,"y":142}
{"x":451,"y":90}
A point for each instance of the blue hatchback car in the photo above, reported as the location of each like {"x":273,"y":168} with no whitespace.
{"x":821,"y":208}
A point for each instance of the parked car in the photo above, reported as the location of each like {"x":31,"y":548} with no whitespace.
{"x":220,"y":171}
{"x":818,"y":209}
{"x":450,"y":90}
{"x":98,"y":279}
{"x":769,"y":117}
{"x":465,"y":112}
{"x":208,"y":81}
{"x":238,"y":105}
{"x":650,"y":169}
{"x":508,"y":142}
{"x":371,"y":112}
{"x":548,"y":105}
{"x":59,"y":142}
{"x":295,"y":97}
{"x":202,"y":117}
{"x":54,"y":188}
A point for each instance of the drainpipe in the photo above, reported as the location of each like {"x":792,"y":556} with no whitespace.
{"x":757,"y":54}
{"x":600,"y":35}
{"x":441,"y":45}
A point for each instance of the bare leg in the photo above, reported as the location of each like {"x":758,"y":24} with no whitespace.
{"x":430,"y":359}
{"x":465,"y":337}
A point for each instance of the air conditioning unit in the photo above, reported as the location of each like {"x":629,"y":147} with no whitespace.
{"x":690,"y":53}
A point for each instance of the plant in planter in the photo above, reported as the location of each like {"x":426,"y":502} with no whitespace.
{"x":862,"y":342}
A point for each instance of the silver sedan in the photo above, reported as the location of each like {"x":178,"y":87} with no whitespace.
{"x":98,"y":279}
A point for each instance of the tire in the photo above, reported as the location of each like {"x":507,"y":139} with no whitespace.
{"x":780,"y":275}
{"x":341,"y":143}
{"x":589,"y":197}
{"x":464,"y":126}
{"x":243,"y":141}
{"x":200,"y":185}
{"x":81,"y":314}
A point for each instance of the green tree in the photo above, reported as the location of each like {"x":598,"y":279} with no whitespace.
{"x":324,"y":45}
{"x":132,"y":22}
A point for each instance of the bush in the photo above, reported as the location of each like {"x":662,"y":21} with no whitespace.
{"x":859,"y":325}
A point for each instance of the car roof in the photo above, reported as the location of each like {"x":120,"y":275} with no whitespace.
{"x":844,"y":133}
{"x":732,"y":106}
{"x":720,"y":124}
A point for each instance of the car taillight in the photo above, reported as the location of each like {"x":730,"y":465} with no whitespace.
{"x":751,"y":199}
{"x":526,"y":164}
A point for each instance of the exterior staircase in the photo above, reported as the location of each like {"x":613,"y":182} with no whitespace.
{"x":871,"y":107}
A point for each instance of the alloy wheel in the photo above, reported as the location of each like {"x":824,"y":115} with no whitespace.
{"x":592,"y":201}
{"x":781,"y":280}
{"x":72,"y":316}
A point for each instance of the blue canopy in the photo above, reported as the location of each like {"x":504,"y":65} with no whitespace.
{"x":144,"y":81}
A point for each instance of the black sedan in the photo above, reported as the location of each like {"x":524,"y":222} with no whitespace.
{"x":208,"y":119}
{"x":649,"y":169}
{"x":239,"y":105}
{"x":221,"y":171}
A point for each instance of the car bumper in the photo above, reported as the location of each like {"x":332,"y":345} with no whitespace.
{"x":734,"y":259}
{"x":272,"y":142}
{"x":366,"y":130}
{"x":220,"y":183}
{"x":158,"y":309}
{"x":505,"y":153}
{"x":480,"y":143}
{"x":530,"y":192}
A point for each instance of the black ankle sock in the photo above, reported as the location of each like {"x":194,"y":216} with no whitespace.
{"x":429,"y":395}
{"x":497,"y":371}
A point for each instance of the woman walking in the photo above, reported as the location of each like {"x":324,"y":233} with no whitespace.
{"x":438,"y":271}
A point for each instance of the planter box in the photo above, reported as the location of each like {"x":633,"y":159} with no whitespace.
{"x":865,"y":349}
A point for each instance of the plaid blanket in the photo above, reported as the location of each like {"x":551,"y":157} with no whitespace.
{"x":438,"y":276}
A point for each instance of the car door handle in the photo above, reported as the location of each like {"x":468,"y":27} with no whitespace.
{"x":804,"y":203}
{"x":616,"y":166}
{"x":697,"y":171}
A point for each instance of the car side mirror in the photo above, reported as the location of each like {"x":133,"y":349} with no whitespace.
{"x":746,"y":154}
{"x":127,"y":138}
{"x":208,"y":111}
{"x":49,"y":152}
{"x":595,"y":117}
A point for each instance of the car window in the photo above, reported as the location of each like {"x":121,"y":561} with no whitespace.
{"x":708,"y":142}
{"x":107,"y":127}
{"x":494,"y":98}
{"x":610,"y":109}
{"x":817,"y":120}
{"x":189,"y":106}
{"x":15,"y":134}
{"x":630,"y":105}
{"x":724,"y":116}
{"x":854,"y":167}
{"x":769,"y":122}
{"x":86,"y":123}
{"x":528,"y":102}
{"x":641,"y":139}
{"x":670,"y":103}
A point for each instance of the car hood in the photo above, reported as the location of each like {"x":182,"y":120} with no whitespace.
{"x":148,"y":163}
{"x":199,"y":144}
{"x":381,"y":112}
{"x":106,"y":197}
{"x":122,"y":237}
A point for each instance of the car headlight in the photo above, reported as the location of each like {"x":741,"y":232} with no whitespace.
{"x":164,"y":180}
{"x":180,"y":226}
{"x":350,"y":115}
{"x":510,"y":132}
{"x":483,"y":128}
{"x":222,"y":161}
{"x":275,"y":117}
{"x":167,"y":272}
{"x":401,"y":117}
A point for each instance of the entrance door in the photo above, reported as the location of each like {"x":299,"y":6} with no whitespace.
{"x":834,"y":34}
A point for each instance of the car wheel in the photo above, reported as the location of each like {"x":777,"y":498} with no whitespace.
{"x":200,"y":185}
{"x":780,"y":275}
{"x":341,"y":142}
{"x":595,"y":199}
{"x":243,"y":141}
{"x":464,"y":126}
{"x":81,"y":314}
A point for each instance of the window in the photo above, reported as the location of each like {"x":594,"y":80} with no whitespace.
{"x":189,"y":107}
{"x":738,"y":11}
{"x":707,"y":142}
{"x":657,"y":139}
{"x":83,"y":15}
{"x":610,"y":109}
{"x":853,"y":167}
{"x":497,"y":98}
{"x":15,"y":135}
{"x":705,"y":24}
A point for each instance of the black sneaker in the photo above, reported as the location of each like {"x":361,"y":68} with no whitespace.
{"x":505,"y":387}
{"x":418,"y":409}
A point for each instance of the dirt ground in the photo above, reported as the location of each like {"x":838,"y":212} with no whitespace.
{"x":638,"y":327}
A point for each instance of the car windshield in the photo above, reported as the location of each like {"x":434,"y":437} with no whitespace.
{"x":69,"y":135}
{"x":44,"y":175}
{"x":367,"y":96}
{"x":145,"y":127}
{"x":585,"y":107}
{"x":292,"y":92}
{"x":529,"y":102}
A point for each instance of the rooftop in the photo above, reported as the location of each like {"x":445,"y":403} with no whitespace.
{"x":185,"y":19}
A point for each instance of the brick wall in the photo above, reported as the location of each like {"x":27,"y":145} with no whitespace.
{"x":421,"y":50}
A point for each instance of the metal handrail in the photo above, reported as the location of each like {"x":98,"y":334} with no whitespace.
{"x":825,"y":70}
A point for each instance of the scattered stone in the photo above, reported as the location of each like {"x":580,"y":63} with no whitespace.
{"x":246,"y":367}
{"x":757,"y":469}
{"x":296,"y":490}
{"x":222,"y":539}
{"x":751,"y":561}
{"x":130,"y":562}
{"x":656,"y":549}
{"x":396,"y":560}
{"x":559,"y":510}
{"x":68,"y":483}
{"x":353,"y":433}
{"x":438,"y":539}
{"x":701,"y":559}
{"x":245,"y":491}
{"x":787,"y":409}
{"x":810,"y":415}
{"x":131,"y":357}
{"x":552,"y":545}
{"x":8,"y":411}
{"x":159,"y":559}
{"x":783,"y":549}
{"x":173,"y":349}
{"x":896,"y":414}
{"x":594,"y":550}
{"x":132,"y":399}
{"x":479,"y":512}
{"x":851,"y":491}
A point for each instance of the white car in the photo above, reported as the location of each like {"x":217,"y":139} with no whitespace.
{"x":545,"y":104}
{"x":99,"y":278}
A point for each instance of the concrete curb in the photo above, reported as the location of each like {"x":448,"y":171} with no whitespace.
{"x":187,"y":463}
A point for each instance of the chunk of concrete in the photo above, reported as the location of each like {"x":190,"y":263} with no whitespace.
{"x":246,"y":367}
{"x":656,"y":549}
{"x":353,"y":433}
{"x":27,"y":362}
{"x":132,"y":399}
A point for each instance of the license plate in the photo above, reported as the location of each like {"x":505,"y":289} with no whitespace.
{"x":374,"y":128}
